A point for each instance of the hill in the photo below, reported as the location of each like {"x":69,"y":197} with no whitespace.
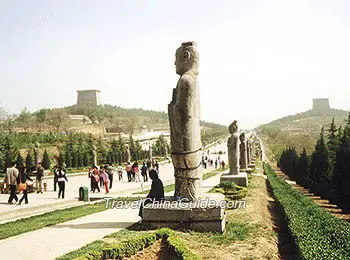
{"x":299,"y":130}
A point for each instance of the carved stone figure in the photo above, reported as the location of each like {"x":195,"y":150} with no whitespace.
{"x":128,"y":155}
{"x":150,"y":153}
{"x":94,"y":153}
{"x":233,"y":149}
{"x":242,"y":152}
{"x":37,"y":153}
{"x":184,"y":116}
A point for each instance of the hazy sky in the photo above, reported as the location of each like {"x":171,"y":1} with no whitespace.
{"x":259,"y":60}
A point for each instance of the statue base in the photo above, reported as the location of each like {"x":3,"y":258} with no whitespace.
{"x":201,"y":216}
{"x":240,"y":179}
{"x":249,"y":170}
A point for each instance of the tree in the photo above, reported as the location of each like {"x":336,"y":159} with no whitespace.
{"x":320,"y":168}
{"x":303,"y":169}
{"x":29,"y":161}
{"x":60,"y":159}
{"x":58,"y":119}
{"x":332,"y":141}
{"x":68,"y":159}
{"x":24,"y":119}
{"x":46,"y":160}
{"x":19,"y":160}
{"x":341,"y":173}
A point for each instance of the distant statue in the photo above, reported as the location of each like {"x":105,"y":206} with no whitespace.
{"x":37,"y":153}
{"x":242,"y":152}
{"x":233,"y":149}
{"x":150,"y":155}
{"x":94,"y":154}
{"x":184,"y":116}
{"x":128,"y":155}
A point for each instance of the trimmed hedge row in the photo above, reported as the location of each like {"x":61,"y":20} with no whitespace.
{"x":131,"y":246}
{"x":317,"y":233}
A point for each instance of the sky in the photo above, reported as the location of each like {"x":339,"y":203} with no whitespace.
{"x":259,"y":60}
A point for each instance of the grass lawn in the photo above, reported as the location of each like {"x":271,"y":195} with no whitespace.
{"x":52,"y":218}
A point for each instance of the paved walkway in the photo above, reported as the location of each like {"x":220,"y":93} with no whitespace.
{"x":57,"y":240}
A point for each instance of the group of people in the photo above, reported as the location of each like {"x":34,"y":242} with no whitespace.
{"x":102,"y":177}
{"x":17,"y":178}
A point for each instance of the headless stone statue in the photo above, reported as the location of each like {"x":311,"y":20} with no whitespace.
{"x":128,"y":155}
{"x":37,"y":153}
{"x":94,"y":153}
{"x":242,"y":152}
{"x":184,"y":116}
{"x":233,"y":149}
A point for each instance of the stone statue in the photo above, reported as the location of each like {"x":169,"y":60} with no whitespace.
{"x":37,"y":153}
{"x":128,"y":155}
{"x":248,"y":151}
{"x":94,"y":154}
{"x":150,"y":152}
{"x":233,"y":149}
{"x":242,"y":152}
{"x":184,"y":116}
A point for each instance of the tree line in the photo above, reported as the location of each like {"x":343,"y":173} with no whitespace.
{"x":326,"y":171}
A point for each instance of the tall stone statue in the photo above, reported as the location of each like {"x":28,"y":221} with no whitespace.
{"x":184,"y":116}
{"x":37,"y":153}
{"x":248,"y":151}
{"x":150,"y":152}
{"x":242,"y":152}
{"x":233,"y":149}
{"x":128,"y":155}
{"x":94,"y":154}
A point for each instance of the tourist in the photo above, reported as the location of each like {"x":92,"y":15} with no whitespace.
{"x":149,"y":165}
{"x":136,"y":172}
{"x":120,"y":172}
{"x":156,"y":166}
{"x":95,"y":178}
{"x":157,"y":190}
{"x":61,"y":181}
{"x":105,"y":179}
{"x":55,"y":177}
{"x":101,"y":179}
{"x":92,"y":177}
{"x":110,"y":172}
{"x":128,"y":171}
{"x":24,"y":176}
{"x":39,"y":178}
{"x":144,"y":172}
{"x":216,"y":163}
{"x":11,"y":180}
{"x":223,"y":164}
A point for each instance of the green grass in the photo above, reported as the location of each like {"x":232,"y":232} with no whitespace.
{"x":171,"y":187}
{"x":52,"y":218}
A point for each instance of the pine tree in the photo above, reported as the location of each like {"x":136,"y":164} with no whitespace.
{"x":29,"y":161}
{"x":74,"y":160}
{"x":341,"y":173}
{"x":320,"y":168}
{"x":46,"y":161}
{"x":86,"y":159}
{"x":303,"y":169}
{"x":68,"y":159}
{"x":332,"y":141}
{"x":60,"y":159}
{"x":19,"y":161}
{"x":80,"y":160}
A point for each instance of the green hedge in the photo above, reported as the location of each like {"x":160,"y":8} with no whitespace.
{"x":131,"y":246}
{"x":317,"y":233}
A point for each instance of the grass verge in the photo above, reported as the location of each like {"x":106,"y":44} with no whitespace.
{"x":52,"y":218}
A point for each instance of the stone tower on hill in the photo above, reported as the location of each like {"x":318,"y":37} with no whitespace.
{"x":89,"y":97}
{"x":320,"y":105}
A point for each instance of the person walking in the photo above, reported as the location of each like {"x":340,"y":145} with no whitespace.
{"x":128,"y":171}
{"x":55,"y":177}
{"x":61,"y":180}
{"x":24,"y":176}
{"x":120,"y":172}
{"x":101,"y":179}
{"x":95,"y":178}
{"x":144,"y":172}
{"x":110,"y":172}
{"x":39,"y":178}
{"x":11,"y":180}
{"x":105,"y":178}
{"x":156,"y":166}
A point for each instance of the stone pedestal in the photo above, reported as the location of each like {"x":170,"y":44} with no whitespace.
{"x":241,"y":179}
{"x":249,"y":171}
{"x":201,"y":216}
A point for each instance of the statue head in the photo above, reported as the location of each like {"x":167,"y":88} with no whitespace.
{"x":242,"y":137}
{"x":233,"y":128}
{"x":36,"y":144}
{"x":186,"y":58}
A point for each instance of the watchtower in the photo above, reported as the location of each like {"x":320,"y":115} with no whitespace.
{"x":89,"y":97}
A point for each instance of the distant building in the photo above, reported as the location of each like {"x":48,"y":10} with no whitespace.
{"x":89,"y":97}
{"x":320,"y":105}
